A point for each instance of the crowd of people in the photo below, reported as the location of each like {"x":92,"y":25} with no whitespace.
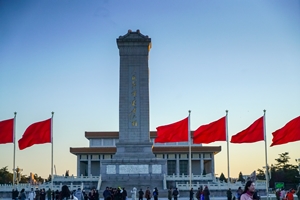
{"x":119,"y":193}
{"x":282,"y":194}
{"x":64,"y":194}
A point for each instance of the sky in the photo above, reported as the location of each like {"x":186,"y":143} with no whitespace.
{"x":206,"y":56}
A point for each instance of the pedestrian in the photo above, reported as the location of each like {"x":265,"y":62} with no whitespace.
{"x":290,"y":195}
{"x":65,"y":192}
{"x":49,"y":194}
{"x":175,"y":194}
{"x":206,"y":193}
{"x":31,"y":194}
{"x":170,"y":194}
{"x":239,"y":193}
{"x":106,"y":193}
{"x":22,"y":195}
{"x":229,"y":194}
{"x":155,"y":194}
{"x":191,"y":194}
{"x":148,"y":194}
{"x":124,"y":194}
{"x":248,"y":191}
{"x":141,"y":194}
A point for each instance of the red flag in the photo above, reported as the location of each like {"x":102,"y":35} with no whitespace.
{"x":215,"y":131}
{"x":254,"y":133}
{"x":289,"y":133}
{"x":176,"y":132}
{"x":37,"y":133}
{"x":7,"y":131}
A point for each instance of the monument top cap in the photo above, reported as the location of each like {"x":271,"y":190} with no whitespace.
{"x":134,"y":36}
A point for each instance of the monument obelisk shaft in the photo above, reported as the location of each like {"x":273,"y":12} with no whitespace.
{"x":134,"y":139}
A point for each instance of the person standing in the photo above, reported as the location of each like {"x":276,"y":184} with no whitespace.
{"x":155,"y":194}
{"x":43,"y":194}
{"x":148,"y":194}
{"x":198,"y":193}
{"x":191,"y":194}
{"x":124,"y":194}
{"x":206,"y":193}
{"x":106,"y":193}
{"x":290,"y":195}
{"x":22,"y":195}
{"x":175,"y":194}
{"x":248,"y":191}
{"x":49,"y":194}
{"x":141,"y":194}
{"x":31,"y":194}
{"x":229,"y":194}
{"x":170,"y":194}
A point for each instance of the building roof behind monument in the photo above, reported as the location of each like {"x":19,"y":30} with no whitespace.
{"x":130,"y":35}
{"x":155,"y":149}
{"x":114,"y":134}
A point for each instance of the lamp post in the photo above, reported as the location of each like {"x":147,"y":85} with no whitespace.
{"x":267,"y":180}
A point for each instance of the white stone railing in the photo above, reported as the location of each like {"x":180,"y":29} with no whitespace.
{"x":75,"y":178}
{"x":183,"y":177}
{"x":219,"y":185}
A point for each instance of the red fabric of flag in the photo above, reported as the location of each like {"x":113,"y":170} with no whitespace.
{"x":37,"y":133}
{"x":7,"y":131}
{"x":289,"y":133}
{"x":215,"y":131}
{"x":176,"y":132}
{"x":254,"y":133}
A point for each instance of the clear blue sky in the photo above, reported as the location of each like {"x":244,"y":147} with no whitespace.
{"x":206,"y":56}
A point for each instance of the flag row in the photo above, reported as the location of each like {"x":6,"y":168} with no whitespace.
{"x":217,"y":131}
{"x":36,"y":133}
{"x":40,"y":132}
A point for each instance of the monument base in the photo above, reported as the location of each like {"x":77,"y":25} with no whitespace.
{"x":134,"y":150}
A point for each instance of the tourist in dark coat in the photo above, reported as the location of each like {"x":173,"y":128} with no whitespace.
{"x":170,"y":194}
{"x":229,"y":194}
{"x":206,"y":193}
{"x":191,"y":194}
{"x":141,"y":194}
{"x":175,"y":194}
{"x":148,"y":194}
{"x":22,"y":195}
{"x":155,"y":194}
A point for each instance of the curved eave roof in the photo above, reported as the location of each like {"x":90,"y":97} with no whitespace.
{"x":113,"y":134}
{"x":156,"y":149}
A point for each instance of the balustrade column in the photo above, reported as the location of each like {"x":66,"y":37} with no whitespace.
{"x":201,"y":164}
{"x":78,"y":165}
{"x":177,"y":164}
{"x":89,"y":165}
{"x":213,"y":165}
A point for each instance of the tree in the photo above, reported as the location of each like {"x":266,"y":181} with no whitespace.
{"x":284,"y":172}
{"x":223,"y":178}
{"x":241,"y":177}
{"x":260,"y":174}
{"x":5,"y":176}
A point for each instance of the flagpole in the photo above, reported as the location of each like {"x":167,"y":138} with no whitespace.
{"x":14,"y":158}
{"x":228,"y":169}
{"x":190,"y":149}
{"x":52,"y":151}
{"x":266,"y":156}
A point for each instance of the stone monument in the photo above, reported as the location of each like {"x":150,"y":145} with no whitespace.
{"x":134,"y":149}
